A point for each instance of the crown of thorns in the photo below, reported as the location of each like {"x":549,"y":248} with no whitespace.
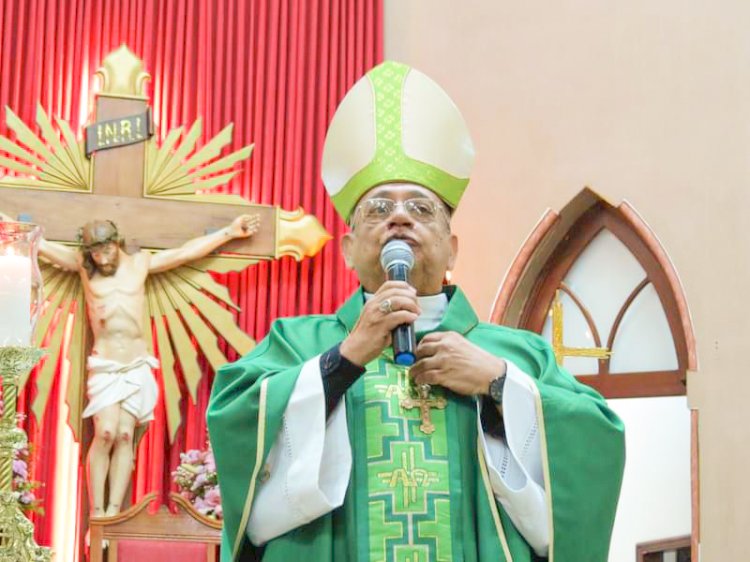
{"x":114,"y":235}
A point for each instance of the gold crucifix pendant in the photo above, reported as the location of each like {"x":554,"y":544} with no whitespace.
{"x":424,"y":402}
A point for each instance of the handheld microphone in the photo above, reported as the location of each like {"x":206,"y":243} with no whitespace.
{"x":397,"y":259}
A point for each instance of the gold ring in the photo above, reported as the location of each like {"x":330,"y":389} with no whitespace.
{"x":385,"y":306}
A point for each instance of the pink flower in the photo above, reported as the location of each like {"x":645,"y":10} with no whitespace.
{"x":27,"y":498}
{"x":201,"y":506}
{"x":20,"y":468}
{"x":200,"y":480}
{"x":195,"y":478}
{"x":213,"y":496}
{"x":22,"y":486}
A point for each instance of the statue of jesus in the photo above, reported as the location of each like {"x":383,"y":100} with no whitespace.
{"x":121,"y":388}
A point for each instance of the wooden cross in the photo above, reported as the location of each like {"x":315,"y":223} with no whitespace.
{"x":148,"y":191}
{"x":424,"y":402}
{"x":151,"y":193}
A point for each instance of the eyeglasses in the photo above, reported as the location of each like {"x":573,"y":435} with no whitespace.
{"x":378,"y":209}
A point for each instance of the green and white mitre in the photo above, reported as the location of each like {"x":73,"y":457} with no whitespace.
{"x":396,"y":125}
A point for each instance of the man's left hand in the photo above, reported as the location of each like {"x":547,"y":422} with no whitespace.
{"x":452,"y":361}
{"x":244,"y":226}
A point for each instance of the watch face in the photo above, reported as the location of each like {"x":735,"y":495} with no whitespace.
{"x":496,"y":390}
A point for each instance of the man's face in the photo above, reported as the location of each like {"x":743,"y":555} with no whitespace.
{"x":428,"y":234}
{"x":106,"y":256}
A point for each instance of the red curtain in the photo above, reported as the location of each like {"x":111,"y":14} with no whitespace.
{"x":276,"y":69}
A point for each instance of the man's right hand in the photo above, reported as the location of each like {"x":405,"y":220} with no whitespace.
{"x":372,"y":332}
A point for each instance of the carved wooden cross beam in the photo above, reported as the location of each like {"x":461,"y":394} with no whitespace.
{"x":150,"y":192}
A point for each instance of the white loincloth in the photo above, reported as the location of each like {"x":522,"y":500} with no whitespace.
{"x":132,"y":385}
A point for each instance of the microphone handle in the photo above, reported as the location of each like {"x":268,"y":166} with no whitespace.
{"x":404,"y":338}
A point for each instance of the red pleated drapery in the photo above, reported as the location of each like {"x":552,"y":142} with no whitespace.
{"x":275,"y":68}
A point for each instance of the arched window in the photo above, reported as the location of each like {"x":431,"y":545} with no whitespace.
{"x":621,"y":325}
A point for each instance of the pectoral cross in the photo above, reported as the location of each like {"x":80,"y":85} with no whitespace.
{"x":424,"y":402}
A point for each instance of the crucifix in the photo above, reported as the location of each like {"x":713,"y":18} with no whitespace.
{"x":155,"y":195}
{"x":424,"y":402}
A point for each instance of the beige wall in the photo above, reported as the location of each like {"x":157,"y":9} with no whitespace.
{"x":641,"y":100}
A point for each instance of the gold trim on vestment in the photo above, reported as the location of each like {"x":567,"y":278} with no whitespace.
{"x":491,"y":498}
{"x":260,"y":446}
{"x":545,"y":468}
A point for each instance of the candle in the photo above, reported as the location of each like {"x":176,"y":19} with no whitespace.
{"x":15,"y":300}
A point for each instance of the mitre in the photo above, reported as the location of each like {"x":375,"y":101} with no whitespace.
{"x":396,"y":125}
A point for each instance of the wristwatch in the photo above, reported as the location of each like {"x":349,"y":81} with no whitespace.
{"x":496,"y":390}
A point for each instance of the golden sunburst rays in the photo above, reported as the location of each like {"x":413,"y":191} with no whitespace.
{"x":172,"y":171}
{"x":65,"y":298}
{"x":55,"y":159}
{"x":190,"y":312}
{"x":47,"y":161}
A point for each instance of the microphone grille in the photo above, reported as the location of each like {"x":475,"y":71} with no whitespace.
{"x":394,"y":252}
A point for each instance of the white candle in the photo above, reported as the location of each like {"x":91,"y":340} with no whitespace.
{"x":15,"y":300}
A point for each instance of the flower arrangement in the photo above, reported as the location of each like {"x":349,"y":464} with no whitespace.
{"x":23,"y":487}
{"x":197,"y":482}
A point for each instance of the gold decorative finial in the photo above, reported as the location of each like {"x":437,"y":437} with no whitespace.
{"x":122,"y":74}
{"x":299,"y":235}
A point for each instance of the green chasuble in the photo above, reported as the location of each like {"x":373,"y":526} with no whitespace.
{"x":413,"y":496}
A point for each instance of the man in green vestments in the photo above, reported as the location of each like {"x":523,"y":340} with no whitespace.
{"x":484,"y":450}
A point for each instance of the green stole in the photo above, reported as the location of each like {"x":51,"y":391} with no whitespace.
{"x":398,"y":479}
{"x":408,"y":472}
